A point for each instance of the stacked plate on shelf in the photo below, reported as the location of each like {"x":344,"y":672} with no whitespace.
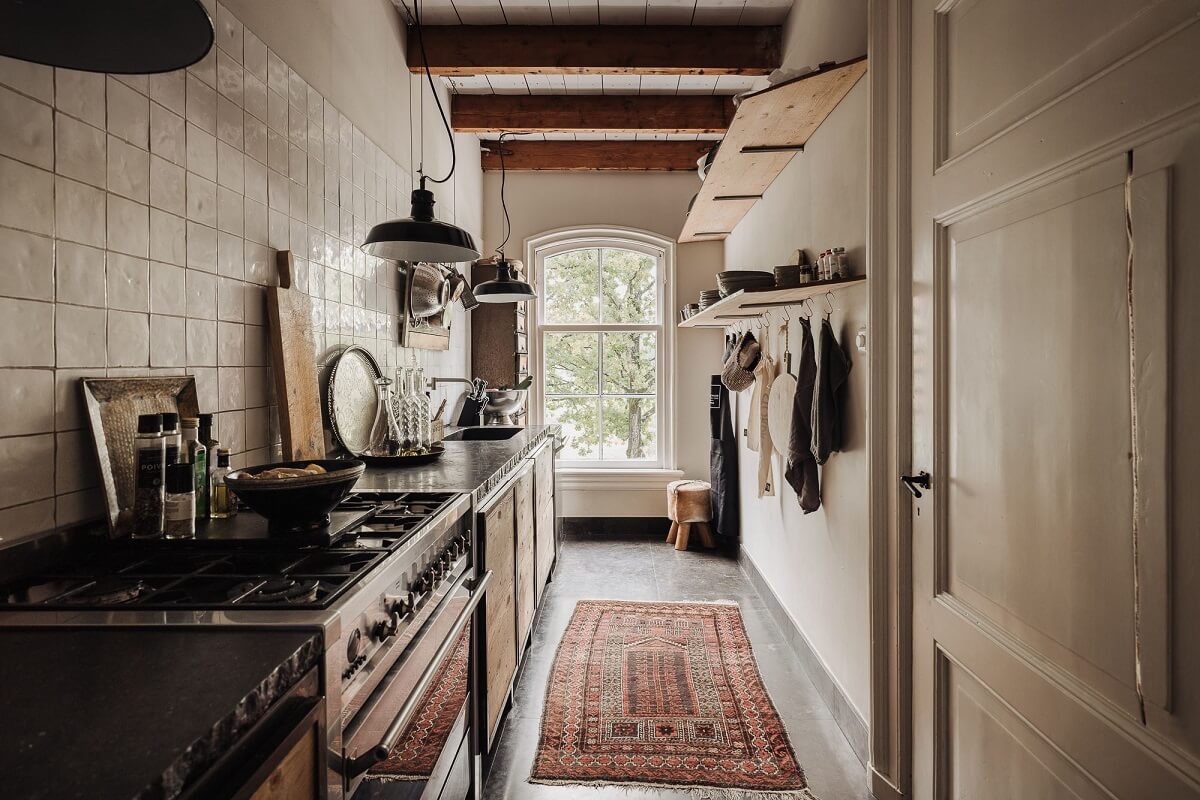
{"x":787,"y":276}
{"x":708,"y":297}
{"x":738,"y":279}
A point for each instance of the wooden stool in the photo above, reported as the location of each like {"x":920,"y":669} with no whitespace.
{"x":689,"y":507}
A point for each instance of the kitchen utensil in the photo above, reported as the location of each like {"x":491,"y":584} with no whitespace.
{"x":435,"y":451}
{"x":503,"y":405}
{"x":430,"y":291}
{"x":293,"y":362}
{"x":781,"y":399}
{"x":113,"y":406}
{"x":297,"y":504}
{"x":352,"y":398}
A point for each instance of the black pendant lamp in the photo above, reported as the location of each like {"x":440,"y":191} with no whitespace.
{"x":420,"y":237}
{"x":505,"y":287}
{"x":127,"y":37}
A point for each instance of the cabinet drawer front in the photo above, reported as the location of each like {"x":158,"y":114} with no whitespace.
{"x":525,"y":557}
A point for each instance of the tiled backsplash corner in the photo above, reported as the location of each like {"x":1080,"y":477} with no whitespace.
{"x":139,"y":217}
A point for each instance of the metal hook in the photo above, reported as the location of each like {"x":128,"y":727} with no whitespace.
{"x":829,"y":302}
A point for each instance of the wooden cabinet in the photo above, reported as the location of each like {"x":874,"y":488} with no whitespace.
{"x":295,"y":778}
{"x":526,"y":599}
{"x":500,"y":606}
{"x":546,"y":540}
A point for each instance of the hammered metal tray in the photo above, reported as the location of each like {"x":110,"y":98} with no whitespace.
{"x":435,"y":451}
{"x":353,"y":397}
{"x":113,"y":406}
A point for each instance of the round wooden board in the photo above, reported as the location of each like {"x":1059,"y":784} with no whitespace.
{"x":779,"y":412}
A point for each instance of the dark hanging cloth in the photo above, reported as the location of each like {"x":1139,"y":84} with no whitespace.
{"x":801,"y":472}
{"x":829,"y":397}
{"x":722,"y":464}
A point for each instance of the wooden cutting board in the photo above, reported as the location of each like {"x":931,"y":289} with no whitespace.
{"x":293,"y":361}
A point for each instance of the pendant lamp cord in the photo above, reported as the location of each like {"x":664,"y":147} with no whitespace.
{"x":437,"y":100}
{"x":503,"y":204}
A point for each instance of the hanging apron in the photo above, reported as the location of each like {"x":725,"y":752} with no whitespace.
{"x":722,"y":464}
{"x":801,"y":471}
{"x":758,"y":435}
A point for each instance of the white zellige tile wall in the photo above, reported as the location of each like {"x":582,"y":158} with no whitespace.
{"x":139,"y":217}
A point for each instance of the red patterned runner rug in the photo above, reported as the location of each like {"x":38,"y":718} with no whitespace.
{"x":664,"y":695}
{"x":415,"y":756}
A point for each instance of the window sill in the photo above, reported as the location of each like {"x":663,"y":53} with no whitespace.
{"x":576,"y":479}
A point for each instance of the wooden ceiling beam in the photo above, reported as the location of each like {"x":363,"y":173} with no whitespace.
{"x":598,"y":49}
{"x":577,"y":113}
{"x":586,"y":156}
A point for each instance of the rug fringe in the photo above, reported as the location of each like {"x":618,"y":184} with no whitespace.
{"x":695,"y":792}
{"x":385,"y":778}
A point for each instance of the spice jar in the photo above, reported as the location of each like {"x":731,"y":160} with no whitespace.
{"x":149,"y":453}
{"x":180,"y":505}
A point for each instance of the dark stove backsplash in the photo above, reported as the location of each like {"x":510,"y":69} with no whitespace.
{"x":138,"y":221}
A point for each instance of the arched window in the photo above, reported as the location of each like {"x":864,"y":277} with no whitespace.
{"x":603,"y":345}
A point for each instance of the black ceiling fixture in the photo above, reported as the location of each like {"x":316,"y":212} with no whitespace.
{"x":420,"y":237}
{"x":505,"y":287}
{"x":120,"y":36}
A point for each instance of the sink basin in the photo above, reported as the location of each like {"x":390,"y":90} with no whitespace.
{"x":487,"y":433}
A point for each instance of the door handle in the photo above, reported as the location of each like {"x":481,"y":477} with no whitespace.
{"x":911,"y":482}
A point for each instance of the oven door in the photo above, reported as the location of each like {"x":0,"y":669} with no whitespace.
{"x":407,"y":740}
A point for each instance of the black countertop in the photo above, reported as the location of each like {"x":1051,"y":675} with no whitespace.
{"x":464,"y":467}
{"x":130,"y":712}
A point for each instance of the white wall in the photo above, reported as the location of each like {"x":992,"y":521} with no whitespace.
{"x":656,"y":202}
{"x":817,"y":563}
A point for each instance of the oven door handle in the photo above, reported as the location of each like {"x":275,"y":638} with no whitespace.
{"x":361,"y":763}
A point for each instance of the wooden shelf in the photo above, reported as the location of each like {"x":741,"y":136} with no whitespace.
{"x":752,"y":303}
{"x":767,"y":131}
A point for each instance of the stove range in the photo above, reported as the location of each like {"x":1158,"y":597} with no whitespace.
{"x":237,"y":563}
{"x":391,"y":583}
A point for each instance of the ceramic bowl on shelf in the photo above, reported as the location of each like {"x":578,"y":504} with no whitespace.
{"x":736,"y":280}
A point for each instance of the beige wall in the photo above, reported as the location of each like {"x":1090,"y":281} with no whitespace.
{"x":817,"y":563}
{"x":540,"y":202}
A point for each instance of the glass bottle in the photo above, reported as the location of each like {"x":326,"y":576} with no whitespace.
{"x":197,"y":456}
{"x":180,"y":506}
{"x":170,"y":429}
{"x":149,"y":453}
{"x":424,"y":435}
{"x":222,"y":503}
{"x":210,"y":445}
{"x":409,"y":425}
{"x":384,"y":439}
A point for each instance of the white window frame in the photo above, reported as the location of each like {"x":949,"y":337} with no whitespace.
{"x":542,"y":246}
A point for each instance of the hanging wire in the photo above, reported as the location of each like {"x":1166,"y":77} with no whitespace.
{"x":437,"y":100}
{"x":503,"y":204}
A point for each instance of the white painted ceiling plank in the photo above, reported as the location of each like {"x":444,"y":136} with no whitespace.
{"x":765,"y":12}
{"x":623,"y":12}
{"x":621,"y":84}
{"x":659,"y":84}
{"x":717,"y":12}
{"x":562,"y":137}
{"x":527,"y":12}
{"x":437,"y":12}
{"x":697,"y":84}
{"x":670,"y":12}
{"x":479,"y":12}
{"x":575,"y":12}
{"x":583,"y":84}
{"x":508,"y":84}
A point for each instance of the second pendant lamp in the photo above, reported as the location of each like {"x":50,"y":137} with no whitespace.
{"x":420,"y":237}
{"x":506,"y":287}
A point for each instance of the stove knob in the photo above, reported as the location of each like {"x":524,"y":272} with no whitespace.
{"x":382,"y":629}
{"x":400,"y":606}
{"x":421,"y":586}
{"x":354,"y":646}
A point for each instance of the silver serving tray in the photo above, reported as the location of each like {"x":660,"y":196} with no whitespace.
{"x":352,"y":398}
{"x":113,"y":406}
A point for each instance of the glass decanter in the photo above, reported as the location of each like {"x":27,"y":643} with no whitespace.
{"x":422,"y":410}
{"x":385,"y":438}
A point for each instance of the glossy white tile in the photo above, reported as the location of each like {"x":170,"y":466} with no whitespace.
{"x":79,"y":336}
{"x":26,"y":129}
{"x":128,"y":339}
{"x":27,"y":397}
{"x":28,"y":265}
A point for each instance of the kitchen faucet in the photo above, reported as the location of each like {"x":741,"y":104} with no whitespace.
{"x":477,"y":390}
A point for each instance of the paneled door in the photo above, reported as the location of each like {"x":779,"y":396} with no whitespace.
{"x":1055,"y":171}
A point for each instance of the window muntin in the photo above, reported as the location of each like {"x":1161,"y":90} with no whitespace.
{"x":602,"y":359}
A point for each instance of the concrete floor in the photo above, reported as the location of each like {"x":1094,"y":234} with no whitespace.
{"x":624,"y":569}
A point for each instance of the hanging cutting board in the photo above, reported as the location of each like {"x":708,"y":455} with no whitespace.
{"x":781,"y":400}
{"x":293,"y":361}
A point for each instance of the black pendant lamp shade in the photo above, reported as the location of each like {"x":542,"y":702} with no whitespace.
{"x":505,"y":288}
{"x":121,"y":36}
{"x":420,"y":237}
